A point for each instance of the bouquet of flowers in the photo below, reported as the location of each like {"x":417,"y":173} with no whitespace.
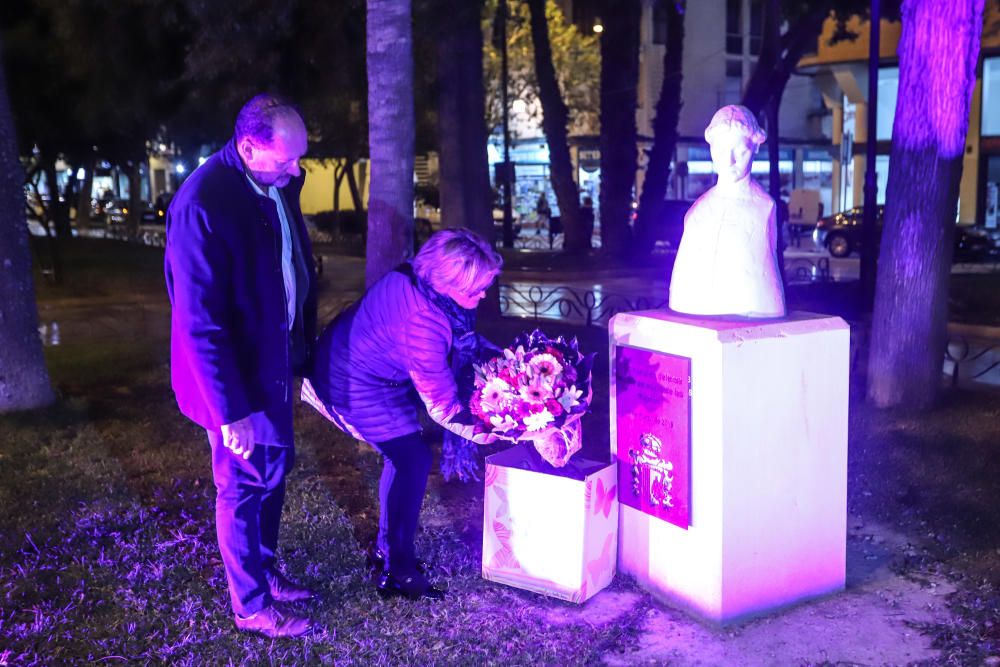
{"x":536,"y":390}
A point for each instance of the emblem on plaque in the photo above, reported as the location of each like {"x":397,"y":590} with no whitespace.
{"x":652,"y":478}
{"x":653,"y":433}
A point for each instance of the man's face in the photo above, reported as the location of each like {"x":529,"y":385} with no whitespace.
{"x":276,"y":164}
{"x":732,"y":153}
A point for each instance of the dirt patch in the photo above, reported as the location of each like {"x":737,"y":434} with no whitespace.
{"x":871,"y":623}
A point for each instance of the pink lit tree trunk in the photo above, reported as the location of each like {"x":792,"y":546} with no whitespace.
{"x":24,"y":382}
{"x":391,"y":135}
{"x":938,"y":52}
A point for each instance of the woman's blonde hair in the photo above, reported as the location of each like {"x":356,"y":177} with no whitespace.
{"x":458,"y":258}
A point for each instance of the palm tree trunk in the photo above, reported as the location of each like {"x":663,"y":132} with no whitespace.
{"x":554,"y":119}
{"x":390,"y":136}
{"x":24,"y":380}
{"x":938,"y":53}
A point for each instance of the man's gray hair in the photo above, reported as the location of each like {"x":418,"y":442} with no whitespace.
{"x":459,"y":258}
{"x":258,"y":117}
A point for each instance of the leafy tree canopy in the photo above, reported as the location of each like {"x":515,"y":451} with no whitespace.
{"x":575,"y":55}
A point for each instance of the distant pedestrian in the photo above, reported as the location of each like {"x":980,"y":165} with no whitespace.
{"x":240,"y":277}
{"x":543,"y":211}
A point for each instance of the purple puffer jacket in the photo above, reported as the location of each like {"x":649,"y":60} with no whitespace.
{"x":378,"y":360}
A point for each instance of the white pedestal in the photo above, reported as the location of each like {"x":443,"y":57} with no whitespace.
{"x":768,"y":463}
{"x":554,"y":534}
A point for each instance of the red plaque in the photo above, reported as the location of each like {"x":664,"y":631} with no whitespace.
{"x":653,"y":392}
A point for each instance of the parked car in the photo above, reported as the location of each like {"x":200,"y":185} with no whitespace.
{"x":841,"y":233}
{"x":116,"y":211}
{"x":975,"y":244}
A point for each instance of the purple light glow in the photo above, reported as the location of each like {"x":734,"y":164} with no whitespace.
{"x":932,"y":28}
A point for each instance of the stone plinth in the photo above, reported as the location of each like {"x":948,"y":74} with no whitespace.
{"x":734,"y":503}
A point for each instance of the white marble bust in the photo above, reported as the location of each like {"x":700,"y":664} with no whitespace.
{"x":727,"y":260}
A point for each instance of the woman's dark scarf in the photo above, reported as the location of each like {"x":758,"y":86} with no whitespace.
{"x":459,"y":457}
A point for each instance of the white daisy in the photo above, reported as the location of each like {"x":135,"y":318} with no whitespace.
{"x":536,"y":421}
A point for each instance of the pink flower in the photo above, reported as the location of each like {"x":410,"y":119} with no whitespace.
{"x":494,"y":396}
{"x":553,"y":406}
{"x":546,"y":367}
{"x":536,"y":393}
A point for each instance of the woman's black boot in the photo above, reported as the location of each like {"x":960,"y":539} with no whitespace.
{"x":414,"y":587}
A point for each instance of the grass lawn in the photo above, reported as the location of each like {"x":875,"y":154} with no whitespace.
{"x":108,"y":552}
{"x":107,"y":545}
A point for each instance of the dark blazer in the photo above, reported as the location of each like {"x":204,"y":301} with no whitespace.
{"x":231,"y":354}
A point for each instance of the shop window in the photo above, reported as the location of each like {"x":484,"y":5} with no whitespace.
{"x":756,"y":26}
{"x":734,"y":29}
{"x":881,"y":177}
{"x":734,"y":26}
{"x":888,"y":89}
{"x":991,"y":97}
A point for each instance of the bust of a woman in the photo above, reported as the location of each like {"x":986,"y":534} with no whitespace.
{"x":727,"y":260}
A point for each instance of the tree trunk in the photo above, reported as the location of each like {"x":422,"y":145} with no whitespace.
{"x":83,"y":199}
{"x":464,"y":176}
{"x":57,"y":210}
{"x":339,"y":171}
{"x":135,"y":204}
{"x":619,"y":80}
{"x":774,"y":178}
{"x":938,"y":52}
{"x":24,"y":381}
{"x":466,"y":200}
{"x":54,"y":213}
{"x":781,"y":53}
{"x":390,"y":136}
{"x":352,"y":184}
{"x":554,"y":119}
{"x":668,"y":111}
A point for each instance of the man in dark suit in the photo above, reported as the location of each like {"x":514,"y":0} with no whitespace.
{"x":241,"y":281}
